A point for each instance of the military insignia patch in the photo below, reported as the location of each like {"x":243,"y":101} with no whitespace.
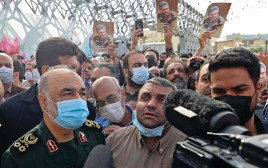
{"x":90,"y":123}
{"x":26,"y":142}
{"x":52,"y":146}
{"x":82,"y":137}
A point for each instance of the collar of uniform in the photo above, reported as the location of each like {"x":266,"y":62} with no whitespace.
{"x":30,"y":95}
{"x":81,"y":136}
{"x":48,"y":137}
{"x":162,"y":144}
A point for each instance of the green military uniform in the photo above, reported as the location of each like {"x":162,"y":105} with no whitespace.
{"x":39,"y":148}
{"x":211,"y":25}
{"x":167,"y":20}
{"x":102,"y":43}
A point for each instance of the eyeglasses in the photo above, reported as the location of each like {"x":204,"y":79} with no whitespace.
{"x":112,"y":98}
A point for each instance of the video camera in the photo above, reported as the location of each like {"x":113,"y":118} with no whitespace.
{"x":215,"y":137}
{"x":222,"y":151}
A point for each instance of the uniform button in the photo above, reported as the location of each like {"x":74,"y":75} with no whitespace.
{"x":161,"y":150}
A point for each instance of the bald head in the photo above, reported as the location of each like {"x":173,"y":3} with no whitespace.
{"x":95,"y":61}
{"x":5,"y":57}
{"x":57,"y":77}
{"x":105,"y":82}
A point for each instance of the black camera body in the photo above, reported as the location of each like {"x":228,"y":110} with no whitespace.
{"x":196,"y":64}
{"x":222,"y":151}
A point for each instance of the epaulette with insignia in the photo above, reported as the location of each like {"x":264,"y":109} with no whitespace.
{"x":90,"y":123}
{"x":26,"y":142}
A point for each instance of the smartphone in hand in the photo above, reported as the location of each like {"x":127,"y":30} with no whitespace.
{"x":139,"y":25}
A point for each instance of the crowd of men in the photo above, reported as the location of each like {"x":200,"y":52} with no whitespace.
{"x":77,"y":102}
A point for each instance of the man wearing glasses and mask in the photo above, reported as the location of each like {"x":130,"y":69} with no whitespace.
{"x":113,"y":113}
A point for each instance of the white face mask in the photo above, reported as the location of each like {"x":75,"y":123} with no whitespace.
{"x":29,"y":76}
{"x":6,"y":74}
{"x":113,"y":112}
{"x":36,"y":75}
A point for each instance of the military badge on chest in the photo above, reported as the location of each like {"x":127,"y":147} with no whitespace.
{"x":82,"y":137}
{"x":52,"y":146}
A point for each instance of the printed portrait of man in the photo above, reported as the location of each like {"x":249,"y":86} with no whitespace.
{"x":165,"y":15}
{"x":102,"y":39}
{"x":213,"y":21}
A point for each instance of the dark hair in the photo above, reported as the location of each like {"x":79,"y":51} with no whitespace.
{"x":213,"y":8}
{"x":88,"y":60}
{"x":184,"y":56}
{"x":125,"y":61}
{"x":156,"y":53}
{"x":18,"y":68}
{"x":113,"y":69}
{"x":81,"y":56}
{"x":236,"y":57}
{"x":106,"y":55}
{"x":163,"y":53}
{"x":2,"y":51}
{"x":49,"y":51}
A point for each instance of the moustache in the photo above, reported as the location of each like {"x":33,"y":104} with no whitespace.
{"x":177,"y":77}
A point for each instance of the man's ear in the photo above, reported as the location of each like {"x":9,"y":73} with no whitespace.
{"x":125,"y":71}
{"x":123,"y":93}
{"x":42,"y":101}
{"x":259,"y":90}
{"x":44,"y":68}
{"x":16,"y":75}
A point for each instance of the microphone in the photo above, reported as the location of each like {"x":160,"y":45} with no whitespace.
{"x":196,"y":114}
{"x":100,"y":156}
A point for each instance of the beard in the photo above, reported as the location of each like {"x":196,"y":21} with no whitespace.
{"x":78,"y":71}
{"x":179,"y":84}
{"x":131,"y":82}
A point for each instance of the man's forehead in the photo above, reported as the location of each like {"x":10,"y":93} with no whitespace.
{"x":153,"y":88}
{"x":137,"y":58}
{"x":237,"y":76}
{"x":5,"y":59}
{"x":204,"y":70}
{"x":175,"y":65}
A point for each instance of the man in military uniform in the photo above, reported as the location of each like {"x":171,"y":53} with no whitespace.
{"x":166,"y":16}
{"x":64,"y":138}
{"x":102,"y":39}
{"x":213,"y":21}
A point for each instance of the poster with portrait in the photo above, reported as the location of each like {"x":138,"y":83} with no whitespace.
{"x":215,"y":18}
{"x":103,"y":33}
{"x":167,"y":13}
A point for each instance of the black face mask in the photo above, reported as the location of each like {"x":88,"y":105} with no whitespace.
{"x":151,"y":62}
{"x":162,"y":63}
{"x":241,"y":105}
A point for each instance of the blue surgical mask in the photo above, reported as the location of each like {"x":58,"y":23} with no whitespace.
{"x":148,"y":132}
{"x":6,"y":74}
{"x":140,"y":75}
{"x":71,"y":113}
